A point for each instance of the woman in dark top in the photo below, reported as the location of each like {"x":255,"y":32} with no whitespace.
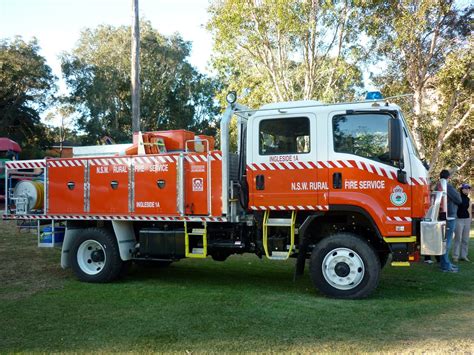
{"x":463,"y":226}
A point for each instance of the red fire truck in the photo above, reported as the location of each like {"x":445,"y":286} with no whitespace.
{"x":339,"y":184}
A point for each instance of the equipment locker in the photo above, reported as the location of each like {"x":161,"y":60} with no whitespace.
{"x":66,"y":185}
{"x":197,"y":197}
{"x":155,"y":187}
{"x":109,"y":187}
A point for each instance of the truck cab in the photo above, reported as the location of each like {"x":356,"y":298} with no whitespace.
{"x":348,"y":176}
{"x":307,"y":156}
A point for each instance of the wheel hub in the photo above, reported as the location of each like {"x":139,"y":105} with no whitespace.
{"x":91,"y":257}
{"x":343,"y":268}
{"x":97,"y":256}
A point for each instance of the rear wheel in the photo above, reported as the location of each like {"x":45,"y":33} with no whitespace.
{"x":95,"y":257}
{"x":345,"y":266}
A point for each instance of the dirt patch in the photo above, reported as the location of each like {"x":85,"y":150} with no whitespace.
{"x":434,"y":346}
{"x":26,"y":269}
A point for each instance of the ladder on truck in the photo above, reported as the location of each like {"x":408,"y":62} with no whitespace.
{"x":195,"y":232}
{"x":279,"y":222}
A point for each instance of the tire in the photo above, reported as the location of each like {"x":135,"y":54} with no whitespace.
{"x":345,"y":266}
{"x":95,"y":257}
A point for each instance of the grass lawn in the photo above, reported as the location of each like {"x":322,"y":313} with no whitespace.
{"x":243,"y":304}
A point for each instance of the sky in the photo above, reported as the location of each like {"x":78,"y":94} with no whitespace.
{"x":57,"y":23}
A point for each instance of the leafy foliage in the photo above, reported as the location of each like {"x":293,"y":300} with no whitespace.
{"x":287,"y":50}
{"x":452,"y":131}
{"x":26,"y":89}
{"x":267,"y":51}
{"x":173,"y":95}
{"x":426,"y":48}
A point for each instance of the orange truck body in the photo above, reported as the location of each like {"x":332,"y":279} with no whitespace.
{"x":134,"y":186}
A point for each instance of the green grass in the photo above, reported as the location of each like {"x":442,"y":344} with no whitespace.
{"x":243,"y":304}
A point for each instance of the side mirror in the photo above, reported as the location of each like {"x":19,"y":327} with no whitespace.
{"x":395,"y":139}
{"x":425,"y":164}
{"x":402,"y":176}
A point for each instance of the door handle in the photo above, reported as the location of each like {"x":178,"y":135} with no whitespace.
{"x":71,"y":185}
{"x":337,"y":180}
{"x":114,"y":184}
{"x":260,"y":182}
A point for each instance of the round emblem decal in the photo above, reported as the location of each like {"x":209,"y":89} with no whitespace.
{"x":398,"y":197}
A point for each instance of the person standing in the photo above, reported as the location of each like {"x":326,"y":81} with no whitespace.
{"x":453,"y":200}
{"x":463,"y":226}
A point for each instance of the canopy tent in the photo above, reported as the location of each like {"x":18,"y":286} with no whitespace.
{"x":7,"y":144}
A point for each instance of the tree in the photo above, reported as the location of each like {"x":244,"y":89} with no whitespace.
{"x":62,"y":131}
{"x":287,"y":50}
{"x":415,"y":38}
{"x":428,"y":49}
{"x":454,"y":129}
{"x":27,"y":86}
{"x":173,"y":93}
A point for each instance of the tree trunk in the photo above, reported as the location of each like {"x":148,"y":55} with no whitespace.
{"x":444,"y":134}
{"x":417,"y":105}
{"x":341,"y":25}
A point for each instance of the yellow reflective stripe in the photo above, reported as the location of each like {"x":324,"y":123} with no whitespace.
{"x":411,"y":239}
{"x":400,"y":263}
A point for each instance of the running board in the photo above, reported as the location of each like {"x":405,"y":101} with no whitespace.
{"x":279,"y":222}
{"x":196,"y":232}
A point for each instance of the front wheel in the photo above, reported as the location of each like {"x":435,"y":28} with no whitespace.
{"x":345,"y":266}
{"x":95,"y":257}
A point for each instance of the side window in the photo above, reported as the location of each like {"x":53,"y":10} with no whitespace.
{"x":284,"y":136}
{"x":365,"y":135}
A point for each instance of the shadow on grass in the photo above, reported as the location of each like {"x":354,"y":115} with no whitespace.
{"x":418,"y":281}
{"x":247,"y":270}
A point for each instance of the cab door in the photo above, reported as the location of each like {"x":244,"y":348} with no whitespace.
{"x":282,"y":168}
{"x":361,"y":174}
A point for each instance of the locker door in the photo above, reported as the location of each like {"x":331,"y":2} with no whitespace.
{"x":109,"y":190}
{"x":196,"y":191}
{"x":66,"y":186}
{"x":155,"y":181}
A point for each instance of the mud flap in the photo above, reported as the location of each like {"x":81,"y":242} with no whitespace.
{"x":125,"y":238}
